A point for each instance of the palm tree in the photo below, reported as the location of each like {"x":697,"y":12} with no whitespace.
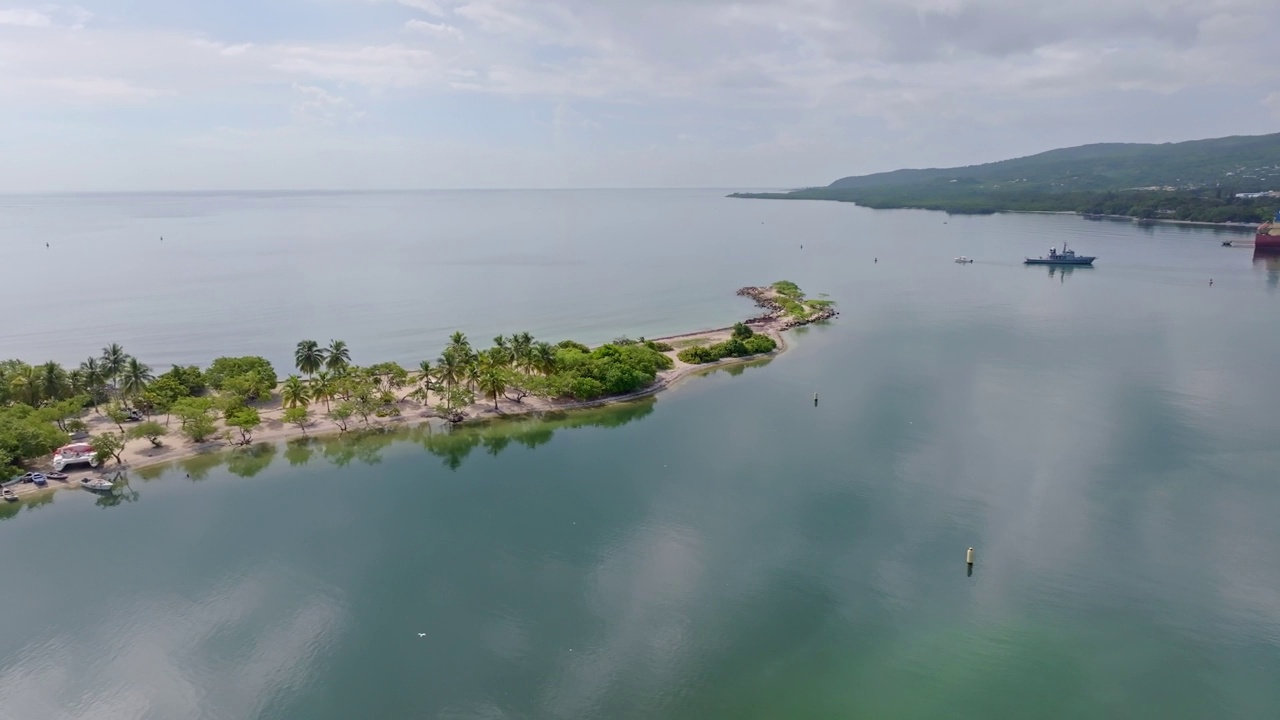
{"x":53,"y":381}
{"x":458,"y":343}
{"x":337,"y":357}
{"x":309,"y":357}
{"x":425,"y":374}
{"x":489,"y":377}
{"x":25,"y":384}
{"x":295,"y":393}
{"x":114,"y":359}
{"x":75,"y":383}
{"x":135,"y":377}
{"x":322,"y":388}
{"x":543,"y":358}
{"x":450,"y":371}
{"x":94,"y":379}
{"x":522,"y":352}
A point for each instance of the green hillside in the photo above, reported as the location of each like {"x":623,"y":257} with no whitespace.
{"x":1245,"y":162}
{"x":1194,"y":180}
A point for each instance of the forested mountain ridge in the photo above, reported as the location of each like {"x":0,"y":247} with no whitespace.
{"x":1243,"y":162}
{"x":1196,"y":180}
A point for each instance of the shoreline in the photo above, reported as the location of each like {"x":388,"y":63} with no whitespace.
{"x":413,"y":413}
{"x":1242,"y":227}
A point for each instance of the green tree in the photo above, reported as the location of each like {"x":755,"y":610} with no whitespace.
{"x":227,"y":368}
{"x":151,"y":430}
{"x":455,"y":399}
{"x":322,"y":388}
{"x":246,"y":420}
{"x":135,"y":377}
{"x":116,"y":413}
{"x":426,"y":375}
{"x":108,"y":445}
{"x":163,"y":393}
{"x":522,"y":352}
{"x":294,"y":393}
{"x":188,"y":376}
{"x":199,"y":427}
{"x":26,"y":433}
{"x":543,"y":358}
{"x":337,"y":357}
{"x":95,"y":380}
{"x":309,"y":357}
{"x":490,"y":376}
{"x":299,"y":416}
{"x":24,"y":384}
{"x":189,"y":408}
{"x":341,"y":414}
{"x":61,"y":413}
{"x":113,"y":362}
{"x":53,"y":381}
{"x":247,"y":388}
{"x":450,"y":370}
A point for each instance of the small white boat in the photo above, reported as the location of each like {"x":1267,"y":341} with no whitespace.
{"x":9,"y":495}
{"x":96,"y":484}
{"x":963,"y":260}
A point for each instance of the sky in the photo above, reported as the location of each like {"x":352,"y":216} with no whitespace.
{"x":125,"y":95}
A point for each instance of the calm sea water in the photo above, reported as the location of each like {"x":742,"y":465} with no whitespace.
{"x":1106,"y":439}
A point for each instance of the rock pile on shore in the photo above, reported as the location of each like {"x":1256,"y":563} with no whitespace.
{"x":776,"y":316}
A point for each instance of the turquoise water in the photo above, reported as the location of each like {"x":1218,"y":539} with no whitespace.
{"x":1104,"y":438}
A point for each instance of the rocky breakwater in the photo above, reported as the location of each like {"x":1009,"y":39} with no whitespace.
{"x":786,"y":310}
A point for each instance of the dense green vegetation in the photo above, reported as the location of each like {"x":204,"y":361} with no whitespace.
{"x":1195,"y":181}
{"x":1213,"y":205}
{"x":743,"y":343}
{"x":40,"y":406}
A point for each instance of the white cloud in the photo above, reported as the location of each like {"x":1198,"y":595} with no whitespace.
{"x":315,"y":104}
{"x":435,"y":29}
{"x":756,"y":87}
{"x":23,"y":17}
{"x":427,"y":6}
{"x":376,"y":66}
{"x":1272,"y":101}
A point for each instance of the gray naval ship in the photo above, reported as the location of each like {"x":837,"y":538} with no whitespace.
{"x":1066,"y":257}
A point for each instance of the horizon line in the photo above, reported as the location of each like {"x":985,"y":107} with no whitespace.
{"x":206,"y":191}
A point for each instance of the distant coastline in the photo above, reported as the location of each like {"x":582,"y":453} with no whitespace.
{"x":689,"y":354}
{"x":991,"y":204}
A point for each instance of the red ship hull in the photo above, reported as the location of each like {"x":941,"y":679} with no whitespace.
{"x":1266,"y":241}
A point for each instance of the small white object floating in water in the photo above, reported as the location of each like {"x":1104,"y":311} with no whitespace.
{"x":964,"y":260}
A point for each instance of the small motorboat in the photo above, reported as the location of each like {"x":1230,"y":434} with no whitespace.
{"x":9,"y":495}
{"x":1226,"y":243}
{"x":96,"y":484}
{"x":56,"y":475}
{"x":964,"y":260}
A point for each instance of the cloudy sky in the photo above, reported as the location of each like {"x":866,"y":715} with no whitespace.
{"x":213,"y":94}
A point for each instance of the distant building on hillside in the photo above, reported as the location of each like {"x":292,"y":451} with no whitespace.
{"x":1265,"y":193}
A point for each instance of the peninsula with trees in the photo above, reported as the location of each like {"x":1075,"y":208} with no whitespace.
{"x":133,"y":416}
{"x":1220,"y":180}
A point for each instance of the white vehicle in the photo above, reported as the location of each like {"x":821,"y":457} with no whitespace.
{"x":74,"y":454}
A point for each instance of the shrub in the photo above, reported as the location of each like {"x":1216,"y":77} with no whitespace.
{"x":188,"y":376}
{"x":741,"y":331}
{"x":733,"y":347}
{"x":658,"y":346}
{"x":570,"y":344}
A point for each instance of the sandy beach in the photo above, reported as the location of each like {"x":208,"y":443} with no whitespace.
{"x":140,"y":453}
